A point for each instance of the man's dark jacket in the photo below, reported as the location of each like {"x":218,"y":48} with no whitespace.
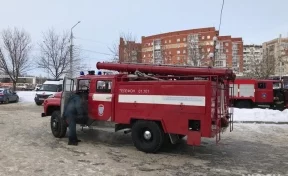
{"x":75,"y":108}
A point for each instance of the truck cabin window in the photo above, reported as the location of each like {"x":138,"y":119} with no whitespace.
{"x":104,"y":86}
{"x":83,"y":85}
{"x":276,"y":85}
{"x":261,"y":85}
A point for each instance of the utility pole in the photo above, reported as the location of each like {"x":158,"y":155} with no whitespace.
{"x":71,"y":51}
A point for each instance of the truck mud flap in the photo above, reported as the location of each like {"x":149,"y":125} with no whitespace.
{"x":194,"y":138}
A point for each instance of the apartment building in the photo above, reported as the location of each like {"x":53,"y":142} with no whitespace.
{"x":129,"y":51}
{"x":278,"y":48}
{"x":192,"y":47}
{"x":252,"y":54}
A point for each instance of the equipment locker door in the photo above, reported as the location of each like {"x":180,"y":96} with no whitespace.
{"x":102,"y":100}
{"x":69,"y":86}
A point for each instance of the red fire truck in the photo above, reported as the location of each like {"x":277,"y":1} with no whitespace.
{"x":156,"y":103}
{"x":250,"y":93}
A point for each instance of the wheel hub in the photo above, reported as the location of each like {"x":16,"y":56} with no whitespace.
{"x":147,"y":135}
{"x":54,"y":124}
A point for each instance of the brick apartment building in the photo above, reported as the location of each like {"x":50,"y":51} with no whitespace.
{"x":188,"y":47}
{"x":129,"y":51}
{"x":278,"y":48}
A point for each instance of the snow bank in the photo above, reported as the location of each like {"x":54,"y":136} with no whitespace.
{"x":26,"y":96}
{"x":260,"y":115}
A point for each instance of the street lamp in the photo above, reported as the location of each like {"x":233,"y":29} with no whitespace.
{"x":214,"y":50}
{"x":71,"y":50}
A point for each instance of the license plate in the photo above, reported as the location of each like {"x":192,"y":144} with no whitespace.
{"x":41,"y":99}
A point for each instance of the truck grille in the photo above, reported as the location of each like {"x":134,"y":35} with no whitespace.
{"x":43,"y":96}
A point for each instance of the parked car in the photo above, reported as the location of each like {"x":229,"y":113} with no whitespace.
{"x":21,"y":86}
{"x":7,"y":96}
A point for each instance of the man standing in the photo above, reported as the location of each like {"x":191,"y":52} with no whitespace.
{"x":74,"y":110}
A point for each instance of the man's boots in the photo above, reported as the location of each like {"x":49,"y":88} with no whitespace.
{"x":72,"y":143}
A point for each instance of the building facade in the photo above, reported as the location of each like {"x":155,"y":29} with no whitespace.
{"x":129,"y":51}
{"x":278,"y":48}
{"x":252,"y":54}
{"x":192,"y":47}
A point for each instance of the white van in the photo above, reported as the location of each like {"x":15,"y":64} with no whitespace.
{"x":48,"y":88}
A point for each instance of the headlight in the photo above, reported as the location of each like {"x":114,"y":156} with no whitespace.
{"x":51,"y":96}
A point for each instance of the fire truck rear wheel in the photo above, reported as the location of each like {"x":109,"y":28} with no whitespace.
{"x":147,"y":136}
{"x":58,"y":125}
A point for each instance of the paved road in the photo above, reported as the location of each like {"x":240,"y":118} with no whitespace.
{"x":27,"y":147}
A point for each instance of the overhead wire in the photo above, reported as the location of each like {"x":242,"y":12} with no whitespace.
{"x":95,"y":41}
{"x":221,"y":15}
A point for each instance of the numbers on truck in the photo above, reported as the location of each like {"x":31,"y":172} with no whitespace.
{"x":143,"y":91}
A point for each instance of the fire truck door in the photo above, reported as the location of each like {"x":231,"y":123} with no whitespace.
{"x":102,"y":101}
{"x":69,"y":85}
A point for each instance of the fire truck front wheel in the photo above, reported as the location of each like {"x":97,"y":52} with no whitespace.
{"x":147,"y":136}
{"x":58,"y":125}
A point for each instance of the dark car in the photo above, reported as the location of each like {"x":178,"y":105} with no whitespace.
{"x":7,"y":96}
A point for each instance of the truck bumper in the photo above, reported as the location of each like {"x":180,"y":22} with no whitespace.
{"x":38,"y":101}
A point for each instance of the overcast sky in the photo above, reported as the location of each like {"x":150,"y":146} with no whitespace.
{"x":255,"y":21}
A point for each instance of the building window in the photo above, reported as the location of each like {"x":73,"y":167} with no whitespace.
{"x":203,"y":37}
{"x":208,"y":49}
{"x":144,"y":56}
{"x":178,"y":52}
{"x":184,"y":51}
{"x":152,"y":44}
{"x":184,"y":39}
{"x":178,"y":40}
{"x":208,"y":37}
{"x":148,"y":44}
{"x":169,"y":52}
{"x":169,"y":41}
{"x":165,"y":41}
{"x":227,"y":50}
{"x":227,"y":44}
{"x":178,"y":58}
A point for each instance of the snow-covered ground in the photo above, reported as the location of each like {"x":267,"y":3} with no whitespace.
{"x":260,"y":115}
{"x":240,"y":115}
{"x":26,"y":96}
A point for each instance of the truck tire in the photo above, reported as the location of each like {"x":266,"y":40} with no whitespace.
{"x":243,"y":104}
{"x":58,"y":125}
{"x":147,"y":136}
{"x":38,"y":104}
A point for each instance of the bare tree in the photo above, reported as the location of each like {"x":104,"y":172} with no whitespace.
{"x":194,"y":50}
{"x":128,"y":46}
{"x":263,"y":67}
{"x":14,"y":58}
{"x":55,"y":54}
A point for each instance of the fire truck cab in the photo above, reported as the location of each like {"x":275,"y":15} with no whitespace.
{"x":250,"y":93}
{"x":157,"y":104}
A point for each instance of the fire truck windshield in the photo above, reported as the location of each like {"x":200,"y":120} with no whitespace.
{"x":51,"y":88}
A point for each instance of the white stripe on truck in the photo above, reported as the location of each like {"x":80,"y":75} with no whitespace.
{"x":154,"y":99}
{"x":102,"y":97}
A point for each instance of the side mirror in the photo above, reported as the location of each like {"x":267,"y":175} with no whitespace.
{"x":37,"y":89}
